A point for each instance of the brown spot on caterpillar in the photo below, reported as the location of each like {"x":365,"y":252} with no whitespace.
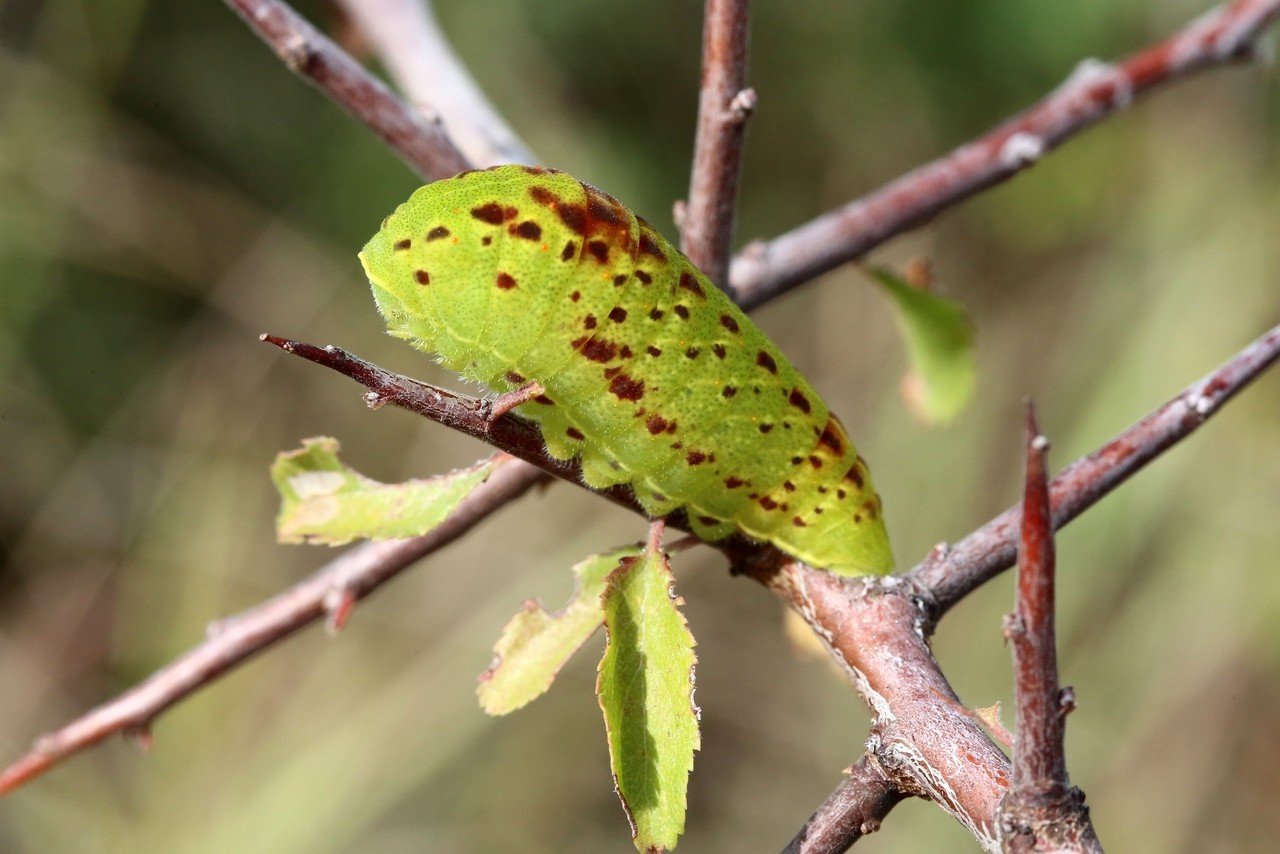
{"x":618,"y":314}
{"x":854,"y":476}
{"x":604,"y":207}
{"x":402,"y":245}
{"x":486,"y":240}
{"x":708,"y":520}
{"x":589,"y":322}
{"x":544,"y":400}
{"x":514,"y":378}
{"x":822,"y":490}
{"x":505,"y":281}
{"x":491,"y":213}
{"x":645,"y":278}
{"x":799,"y":401}
{"x":653,"y":351}
{"x":570,"y":249}
{"x":573,"y":216}
{"x":729,"y":391}
{"x":422,"y":277}
{"x":543,"y":196}
{"x":619,"y":280}
{"x":818,"y":511}
{"x":728,"y":322}
{"x":766,"y":361}
{"x":675,"y":446}
{"x":681,"y":311}
{"x":869,"y":507}
{"x":690,"y":283}
{"x":656,"y":424}
{"x":765,"y":428}
{"x":815,"y":461}
{"x":625,"y":352}
{"x":596,"y":349}
{"x":599,"y":250}
{"x":628,"y":388}
{"x":575,"y":433}
{"x":610,"y":373}
{"x":437,"y":233}
{"x":695,"y":458}
{"x":575,"y":296}
{"x":788,"y":486}
{"x":841,"y":495}
{"x":671,"y":428}
{"x":692,"y":353}
{"x":719,"y":350}
{"x":857,"y":518}
{"x":649,"y":245}
{"x":767,"y":503}
{"x":734,"y":482}
{"x":528,"y":229}
{"x":655,"y":313}
{"x":798,"y":522}
{"x":831,"y":438}
{"x":795,"y":461}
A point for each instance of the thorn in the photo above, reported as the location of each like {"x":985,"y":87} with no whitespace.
{"x":339,"y":602}
{"x":1066,"y":700}
{"x":373,"y":400}
{"x":743,"y":104}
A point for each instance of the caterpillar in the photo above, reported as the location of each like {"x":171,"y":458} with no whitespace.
{"x":651,"y":375}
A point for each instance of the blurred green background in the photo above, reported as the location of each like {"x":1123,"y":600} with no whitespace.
{"x":168,"y":191}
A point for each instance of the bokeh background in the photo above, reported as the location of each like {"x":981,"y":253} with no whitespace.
{"x":168,"y":191}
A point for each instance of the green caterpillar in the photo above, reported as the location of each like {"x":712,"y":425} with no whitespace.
{"x":651,"y":375}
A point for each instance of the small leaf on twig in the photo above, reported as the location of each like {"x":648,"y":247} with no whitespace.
{"x":939,"y":342}
{"x":324,"y":501}
{"x":645,"y":689}
{"x":535,"y":644}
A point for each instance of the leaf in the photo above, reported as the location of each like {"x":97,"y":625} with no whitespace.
{"x":645,"y":688}
{"x":324,"y":501}
{"x":535,"y":644}
{"x":939,"y":340}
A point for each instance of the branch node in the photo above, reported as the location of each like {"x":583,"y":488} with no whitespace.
{"x":1066,"y":700}
{"x":140,"y":736}
{"x":743,"y":105}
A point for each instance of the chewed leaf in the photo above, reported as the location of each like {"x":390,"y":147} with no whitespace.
{"x":645,"y":688}
{"x":323,"y":501}
{"x":535,"y":644}
{"x":939,"y":341}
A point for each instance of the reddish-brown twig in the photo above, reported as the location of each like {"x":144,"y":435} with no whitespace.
{"x":470,"y":415}
{"x":1041,"y":811}
{"x":419,"y":141}
{"x":856,"y":808}
{"x":352,"y":576}
{"x":949,"y":574}
{"x":920,"y":730}
{"x":407,"y":38}
{"x":724,"y":105}
{"x":1094,"y":92}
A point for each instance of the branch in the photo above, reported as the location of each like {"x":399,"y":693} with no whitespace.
{"x":1092,"y":93}
{"x":350,"y":577}
{"x":474,"y":417}
{"x":724,"y":106}
{"x":1042,"y":811}
{"x":923,"y":741}
{"x":856,"y":808}
{"x":950,"y":574}
{"x":407,"y":38}
{"x":420,"y":142}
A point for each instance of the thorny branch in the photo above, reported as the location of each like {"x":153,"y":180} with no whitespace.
{"x":724,"y":105}
{"x":1041,"y":811}
{"x":414,"y":135}
{"x":407,"y":38}
{"x":904,"y":751}
{"x":1094,"y":92}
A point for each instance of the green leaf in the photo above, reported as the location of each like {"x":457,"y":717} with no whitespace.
{"x":323,"y":501}
{"x":645,"y":687}
{"x":535,"y":644}
{"x":939,"y":341}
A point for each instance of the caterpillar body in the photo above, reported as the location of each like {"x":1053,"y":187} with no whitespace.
{"x":652,"y":376}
